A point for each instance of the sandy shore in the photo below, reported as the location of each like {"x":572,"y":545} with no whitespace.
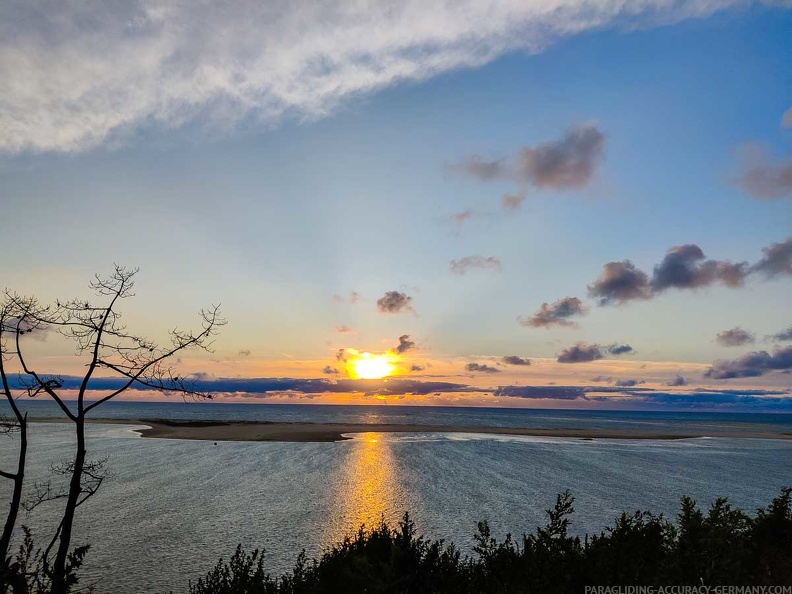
{"x":323,"y":432}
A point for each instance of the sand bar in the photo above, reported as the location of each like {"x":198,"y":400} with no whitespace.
{"x":326,"y":432}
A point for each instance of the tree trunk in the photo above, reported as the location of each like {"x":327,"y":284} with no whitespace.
{"x":16,"y":497}
{"x":75,"y":490}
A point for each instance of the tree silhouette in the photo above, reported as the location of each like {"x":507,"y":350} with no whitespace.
{"x":109,"y":349}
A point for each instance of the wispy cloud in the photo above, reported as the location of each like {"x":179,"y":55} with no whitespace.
{"x":70,"y":82}
{"x":468,"y":263}
{"x":763,"y":177}
{"x":555,"y":314}
{"x":512,"y":201}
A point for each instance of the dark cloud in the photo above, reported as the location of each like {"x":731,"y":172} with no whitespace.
{"x":580,"y":353}
{"x":602,"y":378}
{"x":512,"y":201}
{"x":777,"y":259}
{"x":677,"y":381}
{"x":342,"y":355}
{"x":244,"y":353}
{"x":619,"y":349}
{"x":515,"y":360}
{"x":556,"y":314}
{"x":735,"y":337}
{"x":475,"y":263}
{"x":583,"y":353}
{"x":568,"y":162}
{"x":783,"y":335}
{"x":565,"y":163}
{"x":480,"y":367}
{"x":752,"y":364}
{"x":542,"y":392}
{"x":764,"y":178}
{"x":627,"y":383}
{"x":344,"y":329}
{"x":405,"y":344}
{"x":415,"y":367}
{"x":619,"y":283}
{"x":725,"y":400}
{"x":394,"y":302}
{"x":686,"y":267}
{"x":330,"y":370}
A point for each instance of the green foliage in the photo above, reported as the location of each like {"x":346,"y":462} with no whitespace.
{"x":723,"y":546}
{"x":30,"y":572}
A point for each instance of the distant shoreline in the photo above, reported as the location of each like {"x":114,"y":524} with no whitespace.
{"x":211,"y":430}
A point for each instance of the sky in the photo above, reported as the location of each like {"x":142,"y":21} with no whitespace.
{"x":547,"y":203}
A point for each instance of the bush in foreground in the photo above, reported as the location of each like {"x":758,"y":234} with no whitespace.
{"x":724,"y":546}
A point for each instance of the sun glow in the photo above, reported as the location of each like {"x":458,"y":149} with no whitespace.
{"x":368,"y":366}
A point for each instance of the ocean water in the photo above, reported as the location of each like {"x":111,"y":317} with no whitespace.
{"x":171,"y":508}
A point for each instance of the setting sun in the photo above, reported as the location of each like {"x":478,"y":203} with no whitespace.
{"x":368,"y":366}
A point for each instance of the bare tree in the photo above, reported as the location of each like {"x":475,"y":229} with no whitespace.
{"x":109,"y":349}
{"x":14,"y":323}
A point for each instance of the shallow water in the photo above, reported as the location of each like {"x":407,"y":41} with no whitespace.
{"x":173,"y":507}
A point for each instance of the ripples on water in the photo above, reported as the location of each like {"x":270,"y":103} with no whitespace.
{"x":172,"y":508}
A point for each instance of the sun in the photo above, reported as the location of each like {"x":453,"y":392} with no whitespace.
{"x":368,"y":366}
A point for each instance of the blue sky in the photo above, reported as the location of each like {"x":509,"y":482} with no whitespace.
{"x":272,"y":197}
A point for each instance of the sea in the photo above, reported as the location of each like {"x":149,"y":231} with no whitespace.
{"x":169,"y":509}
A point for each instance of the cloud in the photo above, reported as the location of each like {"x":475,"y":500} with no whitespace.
{"x":542,"y":392}
{"x":763,"y":178}
{"x":84,"y":74}
{"x":580,"y":353}
{"x":783,"y":335}
{"x":619,"y":349}
{"x":777,"y":259}
{"x":352,"y":298}
{"x":394,"y":302}
{"x":557,"y":314}
{"x":685,"y":267}
{"x":568,"y":162}
{"x":416,"y":367}
{"x":328,"y":370}
{"x":475,"y":263}
{"x":627,"y":383}
{"x":484,"y":170}
{"x":602,"y":378}
{"x":677,"y":381}
{"x":344,"y":329}
{"x":512,"y":201}
{"x":583,"y":353}
{"x":515,"y":360}
{"x":619,"y":283}
{"x":786,"y":119}
{"x":480,"y":367}
{"x":752,"y":364}
{"x":405,"y":344}
{"x":343,"y":355}
{"x":565,"y":163}
{"x":735,"y":337}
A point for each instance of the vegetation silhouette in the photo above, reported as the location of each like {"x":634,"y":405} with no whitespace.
{"x":724,"y":546}
{"x":109,"y":351}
